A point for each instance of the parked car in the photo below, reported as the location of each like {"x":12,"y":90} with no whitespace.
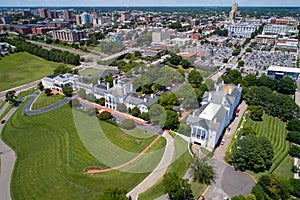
{"x":3,"y":121}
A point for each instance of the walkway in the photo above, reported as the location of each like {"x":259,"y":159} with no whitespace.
{"x":158,"y":172}
{"x":228,"y":182}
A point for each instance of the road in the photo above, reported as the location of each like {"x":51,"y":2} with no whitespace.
{"x":8,"y":158}
{"x":20,"y":88}
{"x":158,"y":172}
{"x":228,"y":182}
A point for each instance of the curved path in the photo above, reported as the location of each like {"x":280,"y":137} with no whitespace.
{"x":28,"y":111}
{"x":158,"y":172}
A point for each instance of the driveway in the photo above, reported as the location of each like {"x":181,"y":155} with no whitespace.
{"x":228,"y":182}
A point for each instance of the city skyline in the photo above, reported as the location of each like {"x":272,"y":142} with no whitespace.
{"x":70,"y":3}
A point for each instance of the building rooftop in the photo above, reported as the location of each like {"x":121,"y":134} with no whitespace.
{"x":284,"y":69}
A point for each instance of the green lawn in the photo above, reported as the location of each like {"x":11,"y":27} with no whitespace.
{"x":53,"y":155}
{"x":2,"y":104}
{"x":6,"y":111}
{"x":43,"y":101}
{"x":180,"y":164}
{"x":284,"y":169}
{"x":90,"y":71}
{"x":21,"y":68}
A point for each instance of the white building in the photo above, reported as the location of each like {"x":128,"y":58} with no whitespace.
{"x":279,"y":29}
{"x":57,"y":82}
{"x":86,"y":18}
{"x":242,"y":30}
{"x":160,"y":36}
{"x":217,"y":110}
{"x":181,"y":41}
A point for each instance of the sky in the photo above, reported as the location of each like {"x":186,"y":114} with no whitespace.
{"x":71,"y":3}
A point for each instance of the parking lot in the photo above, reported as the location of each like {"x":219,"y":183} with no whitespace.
{"x":262,"y":60}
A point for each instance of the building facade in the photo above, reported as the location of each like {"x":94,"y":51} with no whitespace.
{"x":217,"y":110}
{"x":69,"y":35}
{"x":233,"y":12}
{"x":277,"y":72}
{"x":242,"y":30}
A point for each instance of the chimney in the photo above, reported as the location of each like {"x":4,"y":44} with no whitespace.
{"x":125,"y":92}
{"x":238,"y":85}
{"x":99,"y":82}
{"x":91,"y":85}
{"x":145,"y":100}
{"x":222,"y":82}
{"x":107,"y":86}
{"x":230,"y":91}
{"x":215,"y":120}
{"x":114,"y":83}
{"x":223,"y":100}
{"x":152,"y":96}
{"x":217,"y":89}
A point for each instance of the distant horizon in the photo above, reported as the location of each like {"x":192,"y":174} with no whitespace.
{"x":146,"y":3}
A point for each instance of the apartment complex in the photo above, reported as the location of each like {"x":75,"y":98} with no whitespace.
{"x":69,"y":35}
{"x":242,"y":30}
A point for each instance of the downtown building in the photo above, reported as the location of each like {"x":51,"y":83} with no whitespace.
{"x":69,"y":35}
{"x":242,"y":30}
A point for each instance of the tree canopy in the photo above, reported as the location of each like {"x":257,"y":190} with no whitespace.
{"x":113,"y":194}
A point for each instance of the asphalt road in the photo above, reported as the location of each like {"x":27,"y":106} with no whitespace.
{"x":8,"y":158}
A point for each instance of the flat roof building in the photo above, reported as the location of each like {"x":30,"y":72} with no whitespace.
{"x":278,"y":72}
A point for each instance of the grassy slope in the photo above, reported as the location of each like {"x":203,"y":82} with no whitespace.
{"x":44,"y":101}
{"x":180,"y":164}
{"x":21,"y":68}
{"x":52,"y":159}
{"x":275,"y":130}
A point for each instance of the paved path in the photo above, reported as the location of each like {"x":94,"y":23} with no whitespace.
{"x":158,"y":172}
{"x":28,"y":111}
{"x":20,"y":88}
{"x":228,"y":182}
{"x":8,"y":158}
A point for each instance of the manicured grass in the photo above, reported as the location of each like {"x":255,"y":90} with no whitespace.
{"x":43,"y":101}
{"x":181,"y":161}
{"x":53,"y":155}
{"x":6,"y":111}
{"x":284,"y":169}
{"x":273,"y":129}
{"x":21,"y":68}
{"x":90,"y":71}
{"x":26,"y":92}
{"x":2,"y":104}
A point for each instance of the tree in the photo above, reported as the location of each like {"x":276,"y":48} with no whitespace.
{"x":295,"y":151}
{"x":195,"y":78}
{"x":295,"y":169}
{"x":295,"y":183}
{"x":185,"y":129}
{"x":174,"y":59}
{"x":185,"y":63}
{"x":251,"y":197}
{"x":40,"y":86}
{"x":82,"y":93}
{"x":113,"y":194}
{"x":62,"y":69}
{"x":67,"y":91}
{"x":128,"y":124}
{"x":74,"y":103}
{"x":48,"y":91}
{"x":293,"y":125}
{"x":168,"y":100}
{"x":241,"y":63}
{"x":157,"y":114}
{"x":145,"y":116}
{"x":233,"y":76}
{"x":90,"y":97}
{"x":171,"y":121}
{"x":92,"y":111}
{"x":11,"y":97}
{"x":135,"y":112}
{"x":293,"y":136}
{"x":249,"y":80}
{"x":203,"y":173}
{"x":101,"y":101}
{"x":286,"y":86}
{"x":253,"y":153}
{"x":122,"y":107}
{"x":104,"y":115}
{"x":247,"y":131}
{"x":239,"y":197}
{"x":176,"y":187}
{"x":257,"y":113}
{"x":248,"y":50}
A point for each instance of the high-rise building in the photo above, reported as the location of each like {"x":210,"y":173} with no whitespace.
{"x":86,"y":18}
{"x":26,"y":12}
{"x":78,"y":19}
{"x":6,"y":19}
{"x":233,"y":12}
{"x":51,"y":14}
{"x":125,"y":16}
{"x":67,"y":15}
{"x":43,"y":13}
{"x":160,"y":36}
